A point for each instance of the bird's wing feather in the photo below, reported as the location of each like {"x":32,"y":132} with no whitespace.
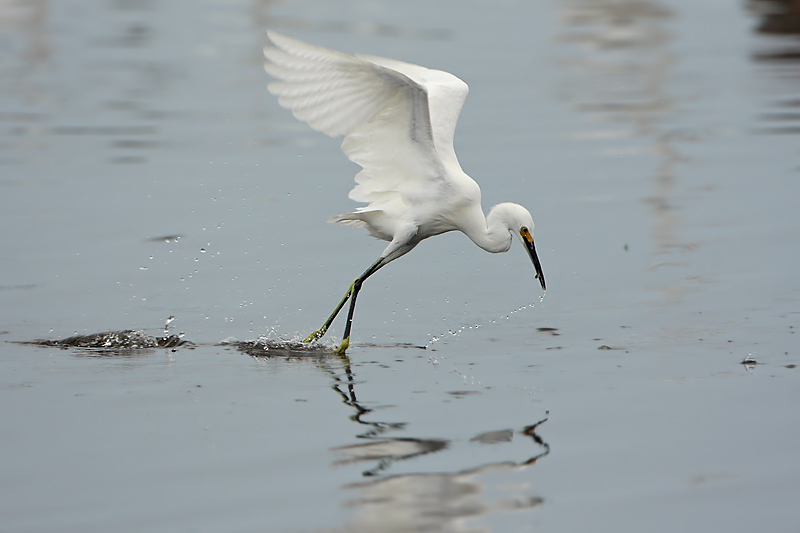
{"x":446,"y":96}
{"x":396,"y":122}
{"x":331,"y":91}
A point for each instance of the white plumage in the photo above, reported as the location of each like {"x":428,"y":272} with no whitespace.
{"x":398,"y":121}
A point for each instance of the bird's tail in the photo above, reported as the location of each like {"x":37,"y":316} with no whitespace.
{"x":349,"y":219}
{"x":360,"y":220}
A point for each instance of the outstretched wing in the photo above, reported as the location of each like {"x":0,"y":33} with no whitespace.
{"x":446,"y":95}
{"x":397,"y":119}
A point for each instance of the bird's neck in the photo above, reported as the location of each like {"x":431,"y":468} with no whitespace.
{"x":494,"y":236}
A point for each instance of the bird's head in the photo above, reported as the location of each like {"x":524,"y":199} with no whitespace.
{"x":520,"y":223}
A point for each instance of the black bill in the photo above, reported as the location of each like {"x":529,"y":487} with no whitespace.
{"x":527,"y":238}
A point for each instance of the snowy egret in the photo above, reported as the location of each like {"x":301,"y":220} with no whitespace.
{"x":398,"y":122}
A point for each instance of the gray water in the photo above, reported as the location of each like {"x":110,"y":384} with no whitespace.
{"x":146,"y":173}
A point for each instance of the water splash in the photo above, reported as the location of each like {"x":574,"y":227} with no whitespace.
{"x":455,"y":332}
{"x":272,"y":344}
{"x":116,"y":342}
{"x":749,"y":363}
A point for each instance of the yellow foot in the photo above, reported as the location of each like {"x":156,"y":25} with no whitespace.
{"x":314,"y":336}
{"x":344,"y":346}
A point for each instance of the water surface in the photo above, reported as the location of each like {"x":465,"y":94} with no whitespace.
{"x":146,"y":173}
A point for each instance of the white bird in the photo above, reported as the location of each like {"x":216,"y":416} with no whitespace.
{"x":398,"y":122}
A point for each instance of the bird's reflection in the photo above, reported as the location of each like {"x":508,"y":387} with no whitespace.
{"x":263,"y":18}
{"x":620,"y":51}
{"x":386,"y":451}
{"x":423,"y":501}
{"x":374,"y":429}
{"x":777,"y":58}
{"x":431,"y":501}
{"x":776,"y":17}
{"x":621,"y":48}
{"x":29,"y":18}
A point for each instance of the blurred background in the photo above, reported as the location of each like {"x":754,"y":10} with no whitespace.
{"x":147,"y":173}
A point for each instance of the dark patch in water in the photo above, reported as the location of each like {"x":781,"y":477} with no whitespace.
{"x":386,"y":452}
{"x":166,"y":238}
{"x":18,"y":287}
{"x":281,"y":348}
{"x":115,"y":340}
{"x":494,"y":437}
{"x":393,"y":345}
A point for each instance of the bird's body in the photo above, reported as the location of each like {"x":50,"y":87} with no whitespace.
{"x":398,"y":122}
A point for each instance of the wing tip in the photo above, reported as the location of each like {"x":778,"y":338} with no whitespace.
{"x":271,"y":42}
{"x":275,"y":38}
{"x":349,"y":219}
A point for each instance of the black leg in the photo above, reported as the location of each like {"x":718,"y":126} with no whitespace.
{"x":349,"y":325}
{"x":321,"y":331}
{"x":354,"y":288}
{"x":351,"y":291}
